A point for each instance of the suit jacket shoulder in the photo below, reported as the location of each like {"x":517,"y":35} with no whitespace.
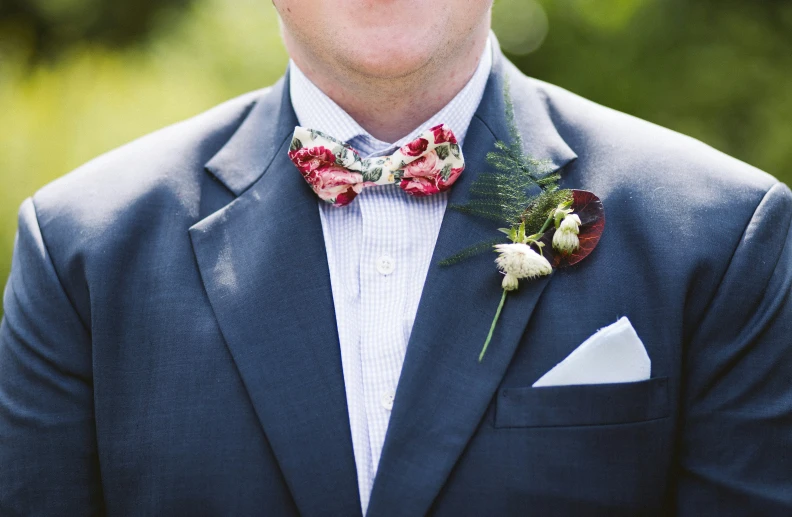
{"x":641,"y":153}
{"x":103,"y":213}
{"x":169,"y":162}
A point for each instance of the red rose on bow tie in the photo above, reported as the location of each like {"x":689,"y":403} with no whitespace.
{"x":330,"y":181}
{"x":422,"y":167}
{"x":336,"y":184}
{"x":420,"y":186}
{"x":442,"y":135}
{"x":423,"y":178}
{"x":308,"y":159}
{"x":414,"y":148}
{"x":428,"y":185}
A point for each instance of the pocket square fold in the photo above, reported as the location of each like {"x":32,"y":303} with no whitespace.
{"x":614,"y":354}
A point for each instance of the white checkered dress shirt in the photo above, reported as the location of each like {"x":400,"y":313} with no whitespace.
{"x":378,"y":251}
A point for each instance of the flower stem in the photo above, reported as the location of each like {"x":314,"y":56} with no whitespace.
{"x":492,"y":327}
{"x":547,"y":223}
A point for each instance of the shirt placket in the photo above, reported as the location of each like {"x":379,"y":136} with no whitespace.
{"x":342,"y":229}
{"x":384,"y":266}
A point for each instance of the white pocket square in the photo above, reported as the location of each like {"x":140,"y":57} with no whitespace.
{"x":614,"y":354}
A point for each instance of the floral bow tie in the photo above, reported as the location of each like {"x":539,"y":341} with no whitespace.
{"x":429,"y":164}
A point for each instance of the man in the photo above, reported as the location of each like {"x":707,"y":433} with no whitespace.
{"x":190,"y":330}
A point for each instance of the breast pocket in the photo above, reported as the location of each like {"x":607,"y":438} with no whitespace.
{"x":593,"y":404}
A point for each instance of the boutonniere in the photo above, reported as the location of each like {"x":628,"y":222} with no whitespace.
{"x":548,"y":227}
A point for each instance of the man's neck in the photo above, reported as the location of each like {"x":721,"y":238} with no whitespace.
{"x":390,"y":108}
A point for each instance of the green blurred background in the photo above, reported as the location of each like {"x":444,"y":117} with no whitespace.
{"x":79,"y":77}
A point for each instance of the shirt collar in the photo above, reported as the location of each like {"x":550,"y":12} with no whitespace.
{"x":316,"y":110}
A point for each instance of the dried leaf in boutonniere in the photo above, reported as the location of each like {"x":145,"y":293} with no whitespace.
{"x":548,"y":227}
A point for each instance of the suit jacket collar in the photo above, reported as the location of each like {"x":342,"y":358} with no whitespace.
{"x":263,"y":262}
{"x":255,"y":144}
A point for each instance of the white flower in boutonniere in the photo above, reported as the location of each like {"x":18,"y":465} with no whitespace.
{"x":565,"y":238}
{"x":518,"y":261}
{"x":548,"y":227}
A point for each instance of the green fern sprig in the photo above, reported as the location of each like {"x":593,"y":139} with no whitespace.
{"x":521,"y":191}
{"x":473,"y":250}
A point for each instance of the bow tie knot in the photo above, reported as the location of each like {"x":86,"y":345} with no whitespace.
{"x":429,"y":164}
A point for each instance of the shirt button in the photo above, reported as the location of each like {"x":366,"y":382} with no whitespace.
{"x":386,"y":264}
{"x":387,"y":400}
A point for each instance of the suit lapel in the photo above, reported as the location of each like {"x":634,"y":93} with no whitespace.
{"x":444,"y":391}
{"x":262,"y":260}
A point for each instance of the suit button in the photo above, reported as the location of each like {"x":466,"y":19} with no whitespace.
{"x":385,"y":264}
{"x":387,"y":400}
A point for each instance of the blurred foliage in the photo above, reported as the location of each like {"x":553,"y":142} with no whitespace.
{"x":79,"y":77}
{"x":718,"y":70}
{"x":47,"y":27}
{"x":59,"y":114}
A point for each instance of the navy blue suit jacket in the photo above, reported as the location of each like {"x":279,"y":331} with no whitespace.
{"x":169,"y":345}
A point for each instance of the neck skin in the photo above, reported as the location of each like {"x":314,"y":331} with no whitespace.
{"x":387,"y":107}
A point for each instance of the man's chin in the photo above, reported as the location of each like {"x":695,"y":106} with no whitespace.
{"x":386,"y":62}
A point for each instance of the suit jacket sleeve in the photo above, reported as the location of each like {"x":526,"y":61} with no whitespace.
{"x":736,"y":443}
{"x":48,"y":454}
